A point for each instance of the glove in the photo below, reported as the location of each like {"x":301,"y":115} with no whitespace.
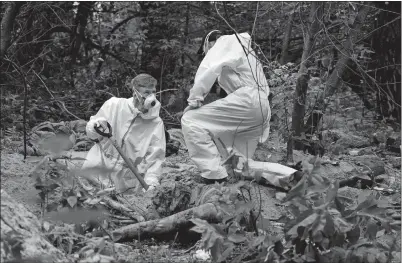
{"x":150,"y":188}
{"x":152,"y":181}
{"x":96,"y":122}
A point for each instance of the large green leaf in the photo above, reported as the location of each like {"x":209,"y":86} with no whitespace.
{"x":229,"y":249}
{"x":339,"y":205}
{"x":307,"y":222}
{"x":256,"y":241}
{"x":353,"y":235}
{"x":211,"y":238}
{"x":309,"y":253}
{"x":329,"y":228}
{"x":341,"y":225}
{"x":318,"y":224}
{"x":298,"y":190}
{"x":237,"y":238}
{"x":332,"y":192}
{"x":367,"y":202}
{"x":372,"y":229}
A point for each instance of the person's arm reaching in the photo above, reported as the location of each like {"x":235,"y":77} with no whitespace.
{"x":155,"y":156}
{"x":99,"y":119}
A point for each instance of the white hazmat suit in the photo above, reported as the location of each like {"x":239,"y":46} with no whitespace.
{"x":240,"y":119}
{"x":141,"y":137}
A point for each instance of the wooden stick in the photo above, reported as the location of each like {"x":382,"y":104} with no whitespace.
{"x":130,"y":164}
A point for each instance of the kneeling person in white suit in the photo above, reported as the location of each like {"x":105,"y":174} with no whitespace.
{"x":241,"y":118}
{"x":139,"y":131}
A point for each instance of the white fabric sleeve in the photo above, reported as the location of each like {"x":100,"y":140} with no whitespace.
{"x":155,"y":155}
{"x":103,"y":114}
{"x":227,"y":51}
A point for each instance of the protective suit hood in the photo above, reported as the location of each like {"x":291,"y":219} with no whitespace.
{"x":233,"y":62}
{"x":245,"y":39}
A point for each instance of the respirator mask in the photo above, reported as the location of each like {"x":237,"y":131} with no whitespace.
{"x":145,"y":103}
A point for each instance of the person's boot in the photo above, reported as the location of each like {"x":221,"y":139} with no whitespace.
{"x":297,"y":176}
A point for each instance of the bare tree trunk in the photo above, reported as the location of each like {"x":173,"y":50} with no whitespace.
{"x":7,"y":23}
{"x":299,"y":108}
{"x":345,"y":57}
{"x":286,"y":38}
{"x":316,"y":13}
{"x":185,"y":41}
{"x":289,"y":150}
{"x":299,"y":102}
{"x":83,"y":12}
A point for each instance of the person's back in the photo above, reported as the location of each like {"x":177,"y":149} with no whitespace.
{"x":249,"y":69}
{"x":241,"y":118}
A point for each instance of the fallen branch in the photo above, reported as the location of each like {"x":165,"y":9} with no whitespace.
{"x":124,"y":221}
{"x":167,"y":225}
{"x":124,"y":201}
{"x":117,"y":217}
{"x":123,"y":209}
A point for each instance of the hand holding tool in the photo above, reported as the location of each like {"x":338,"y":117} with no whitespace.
{"x":108,"y":135}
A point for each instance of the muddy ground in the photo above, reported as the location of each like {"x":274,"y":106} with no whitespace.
{"x":353,"y":142}
{"x":16,"y":181}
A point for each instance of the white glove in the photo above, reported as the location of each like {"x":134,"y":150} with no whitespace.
{"x":152,"y":181}
{"x":96,"y":122}
{"x":150,"y":188}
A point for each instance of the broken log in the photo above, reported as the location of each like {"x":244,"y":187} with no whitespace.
{"x":167,"y":226}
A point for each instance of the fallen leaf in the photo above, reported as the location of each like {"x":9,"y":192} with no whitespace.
{"x":46,"y":226}
{"x":237,"y":238}
{"x":72,"y":200}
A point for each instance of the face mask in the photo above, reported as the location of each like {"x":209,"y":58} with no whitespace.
{"x":150,"y":102}
{"x":145,"y":103}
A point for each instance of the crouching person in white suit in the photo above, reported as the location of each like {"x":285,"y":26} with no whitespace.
{"x":241,"y":118}
{"x":139,"y":131}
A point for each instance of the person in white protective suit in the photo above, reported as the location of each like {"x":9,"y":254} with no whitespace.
{"x":241,"y":118}
{"x":139,"y":131}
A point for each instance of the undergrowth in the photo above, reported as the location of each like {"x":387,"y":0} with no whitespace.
{"x":324,"y":227}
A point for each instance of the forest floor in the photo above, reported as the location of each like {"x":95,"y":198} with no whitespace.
{"x":344,"y":158}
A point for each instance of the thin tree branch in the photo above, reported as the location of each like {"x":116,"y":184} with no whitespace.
{"x":25,"y":101}
{"x":61,"y":104}
{"x":113,"y":55}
